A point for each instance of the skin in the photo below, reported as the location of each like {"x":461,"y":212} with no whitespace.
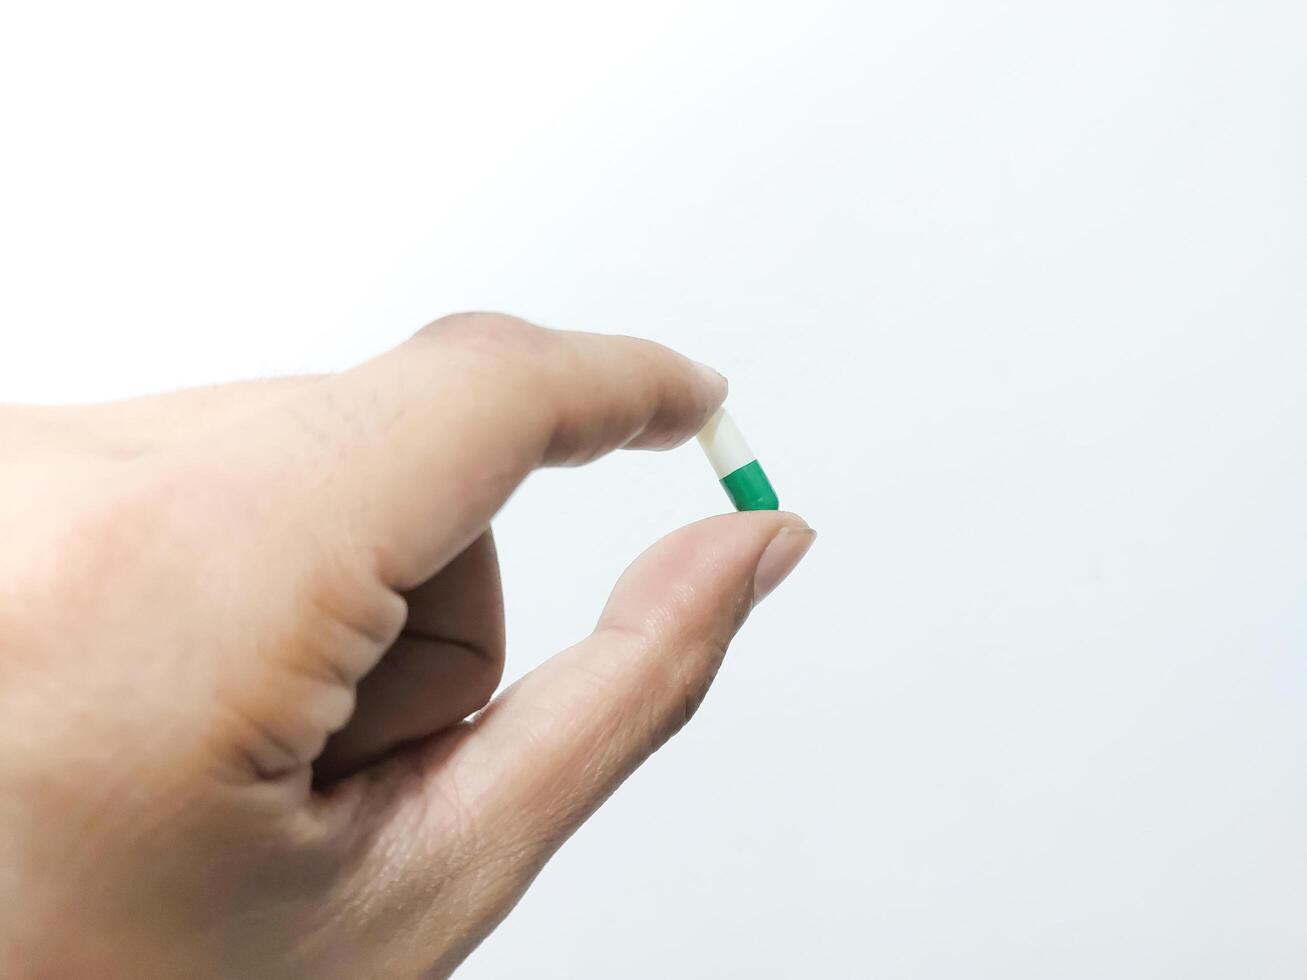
{"x":248,"y":641}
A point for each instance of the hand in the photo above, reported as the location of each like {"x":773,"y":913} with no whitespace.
{"x":241,"y":631}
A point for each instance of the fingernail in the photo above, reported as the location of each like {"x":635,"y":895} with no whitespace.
{"x":779,"y":558}
{"x":712,"y":375}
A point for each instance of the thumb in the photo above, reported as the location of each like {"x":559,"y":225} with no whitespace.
{"x":493,"y":799}
{"x":556,"y":744}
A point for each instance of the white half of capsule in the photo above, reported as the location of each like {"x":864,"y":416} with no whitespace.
{"x":724,"y":445}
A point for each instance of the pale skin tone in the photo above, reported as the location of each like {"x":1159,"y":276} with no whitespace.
{"x":249,"y":638}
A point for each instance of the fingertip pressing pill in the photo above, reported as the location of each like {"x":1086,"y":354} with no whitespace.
{"x":736,"y":467}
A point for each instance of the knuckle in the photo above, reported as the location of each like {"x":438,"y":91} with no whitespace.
{"x":673,"y":680}
{"x":367,"y":614}
{"x":496,"y":333}
{"x":690,"y":677}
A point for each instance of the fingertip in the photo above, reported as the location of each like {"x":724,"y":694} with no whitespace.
{"x":701,"y":578}
{"x":717,"y":385}
{"x":781,"y":556}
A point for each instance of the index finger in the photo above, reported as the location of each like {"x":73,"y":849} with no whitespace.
{"x":404,"y":459}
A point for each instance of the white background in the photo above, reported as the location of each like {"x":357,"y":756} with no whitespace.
{"x":1013,"y":298}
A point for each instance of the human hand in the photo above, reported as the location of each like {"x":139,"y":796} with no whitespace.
{"x":241,"y":630}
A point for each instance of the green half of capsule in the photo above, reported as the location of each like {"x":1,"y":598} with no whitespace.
{"x":749,"y":488}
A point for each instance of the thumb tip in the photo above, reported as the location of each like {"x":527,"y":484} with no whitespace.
{"x":705,"y":577}
{"x":781,"y":556}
